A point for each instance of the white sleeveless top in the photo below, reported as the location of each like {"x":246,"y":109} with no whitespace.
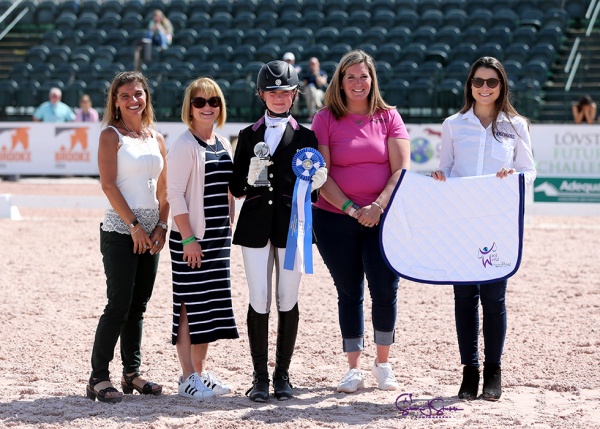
{"x":139,"y":163}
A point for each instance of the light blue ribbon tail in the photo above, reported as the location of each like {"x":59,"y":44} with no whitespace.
{"x":298,"y":249}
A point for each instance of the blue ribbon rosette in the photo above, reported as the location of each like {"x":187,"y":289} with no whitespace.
{"x":298,"y":249}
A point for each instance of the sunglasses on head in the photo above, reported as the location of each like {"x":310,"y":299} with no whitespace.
{"x":491,"y":82}
{"x":199,"y":102}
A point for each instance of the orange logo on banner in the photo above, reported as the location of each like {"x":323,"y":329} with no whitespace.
{"x":20,"y":135}
{"x":79,"y":136}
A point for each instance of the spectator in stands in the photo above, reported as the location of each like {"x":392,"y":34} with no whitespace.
{"x":54,"y":110}
{"x":160,"y":30}
{"x":487,"y":136}
{"x":584,"y":110}
{"x":200,"y":163}
{"x":315,"y":83}
{"x":263,"y":224}
{"x":365,"y":145}
{"x":86,"y":113}
{"x":132,"y":166}
{"x":290,"y":58}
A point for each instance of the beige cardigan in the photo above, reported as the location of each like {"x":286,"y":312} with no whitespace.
{"x":185,"y":180}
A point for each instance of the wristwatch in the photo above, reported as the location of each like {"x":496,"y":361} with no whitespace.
{"x":162,"y":224}
{"x":133,"y":224}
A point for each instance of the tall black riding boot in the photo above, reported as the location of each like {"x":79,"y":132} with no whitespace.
{"x":258,"y":336}
{"x":287,"y":330}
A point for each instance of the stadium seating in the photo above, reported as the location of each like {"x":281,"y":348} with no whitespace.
{"x":89,"y":40}
{"x":449,"y":95}
{"x":8,"y":88}
{"x":396,"y":92}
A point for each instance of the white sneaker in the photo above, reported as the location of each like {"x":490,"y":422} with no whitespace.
{"x":352,"y":381}
{"x":384,"y":375}
{"x":192,"y":387}
{"x":213,"y":382}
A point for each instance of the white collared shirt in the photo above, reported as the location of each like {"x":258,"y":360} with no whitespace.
{"x":274,"y":132}
{"x":469,"y":149}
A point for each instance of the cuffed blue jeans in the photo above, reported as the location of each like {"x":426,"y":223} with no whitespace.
{"x":351,"y":252}
{"x":466,"y":313}
{"x":129,"y":283}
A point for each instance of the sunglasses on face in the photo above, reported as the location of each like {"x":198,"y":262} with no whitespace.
{"x":491,"y":82}
{"x":199,"y":102}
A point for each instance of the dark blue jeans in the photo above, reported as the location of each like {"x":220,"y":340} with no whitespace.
{"x":466,"y":313}
{"x":129,"y":283}
{"x":351,"y":252}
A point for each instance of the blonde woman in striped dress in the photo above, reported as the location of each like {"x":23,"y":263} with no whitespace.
{"x":200,"y":241}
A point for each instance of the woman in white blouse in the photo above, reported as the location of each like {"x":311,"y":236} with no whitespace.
{"x":131,"y":162}
{"x":487,"y":136}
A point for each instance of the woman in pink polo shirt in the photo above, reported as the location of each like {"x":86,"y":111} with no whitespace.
{"x":365,"y":145}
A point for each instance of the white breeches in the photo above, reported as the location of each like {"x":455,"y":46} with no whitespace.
{"x":258,"y":264}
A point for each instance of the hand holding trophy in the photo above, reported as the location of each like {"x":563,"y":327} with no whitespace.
{"x":258,"y":171}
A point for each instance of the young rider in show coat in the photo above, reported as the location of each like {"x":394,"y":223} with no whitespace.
{"x":263,"y":223}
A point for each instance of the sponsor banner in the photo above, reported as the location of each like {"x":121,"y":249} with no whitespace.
{"x":61,"y":149}
{"x":425,"y":145}
{"x":561,"y":151}
{"x":65,"y":149}
{"x":566,"y":190}
{"x":566,"y":150}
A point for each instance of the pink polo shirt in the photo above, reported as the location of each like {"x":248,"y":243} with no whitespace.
{"x":359,"y":152}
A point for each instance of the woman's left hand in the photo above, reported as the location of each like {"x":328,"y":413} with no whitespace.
{"x":159,"y":238}
{"x":369,"y":216}
{"x":503,"y":172}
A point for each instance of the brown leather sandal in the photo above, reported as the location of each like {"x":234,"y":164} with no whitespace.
{"x":149,"y":388}
{"x":101,"y":394}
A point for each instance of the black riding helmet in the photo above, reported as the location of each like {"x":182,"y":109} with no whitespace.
{"x":277,"y":76}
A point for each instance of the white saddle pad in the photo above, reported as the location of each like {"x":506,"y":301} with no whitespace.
{"x":464,"y":230}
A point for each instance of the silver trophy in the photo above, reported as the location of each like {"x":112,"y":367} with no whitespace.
{"x":261,"y":150}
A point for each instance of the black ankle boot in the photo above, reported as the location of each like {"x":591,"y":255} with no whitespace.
{"x":259,"y":392}
{"x":287,"y":330}
{"x":258,"y":337}
{"x":470,"y":383}
{"x":282,"y":387}
{"x":492,"y":382}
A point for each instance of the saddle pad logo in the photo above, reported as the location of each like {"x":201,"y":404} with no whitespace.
{"x":489,"y":257}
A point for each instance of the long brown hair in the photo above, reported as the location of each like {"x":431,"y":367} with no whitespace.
{"x":110,"y":111}
{"x":502,"y":103}
{"x":335,"y":99}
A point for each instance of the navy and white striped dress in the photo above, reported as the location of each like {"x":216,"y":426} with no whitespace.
{"x":206,"y":291}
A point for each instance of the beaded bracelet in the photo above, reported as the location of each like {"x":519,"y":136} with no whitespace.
{"x":188,"y":240}
{"x":346,"y":204}
{"x":135,"y":230}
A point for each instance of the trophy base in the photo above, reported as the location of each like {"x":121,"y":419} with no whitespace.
{"x":261,"y":183}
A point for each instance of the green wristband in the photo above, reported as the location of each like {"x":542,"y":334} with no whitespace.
{"x":188,"y":240}
{"x":346,"y":204}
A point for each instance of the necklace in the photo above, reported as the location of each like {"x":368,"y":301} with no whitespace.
{"x":142,"y":135}
{"x":212,"y":147}
{"x":148,"y":153}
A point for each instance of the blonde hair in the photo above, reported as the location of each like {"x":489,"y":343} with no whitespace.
{"x":335,"y":98}
{"x":110,"y":111}
{"x":211,"y":89}
{"x":163,"y":20}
